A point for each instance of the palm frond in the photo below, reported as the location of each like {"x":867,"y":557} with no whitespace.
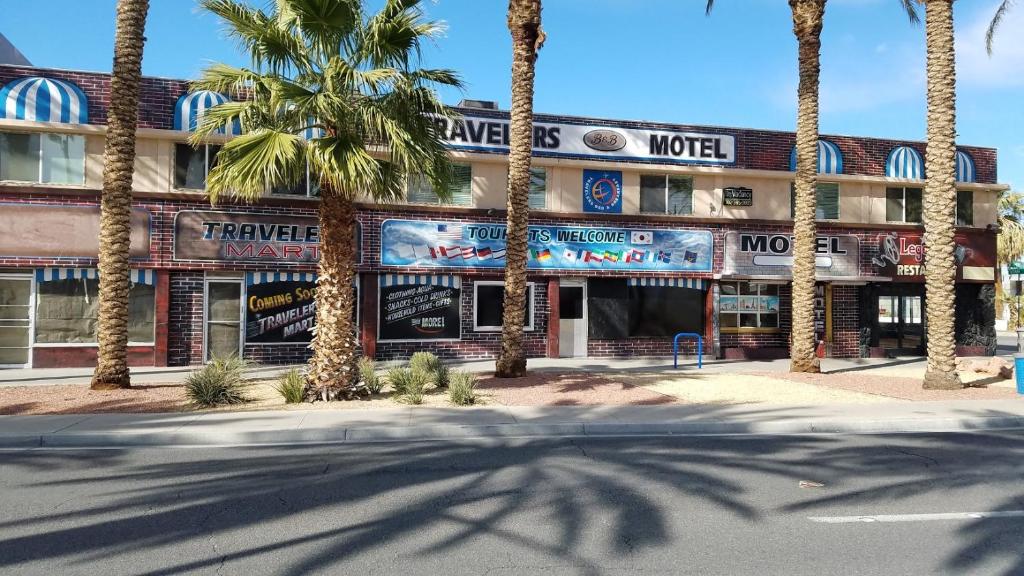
{"x":247,"y":166}
{"x":997,"y":19}
{"x":910,"y":7}
{"x":267,"y":42}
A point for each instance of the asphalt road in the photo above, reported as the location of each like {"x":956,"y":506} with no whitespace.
{"x":888,"y":505}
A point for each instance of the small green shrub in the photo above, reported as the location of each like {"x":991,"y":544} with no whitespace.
{"x":368,"y":374}
{"x":461,"y":388}
{"x":219,"y":382}
{"x":409,"y":383}
{"x":292,"y":386}
{"x":430,"y":364}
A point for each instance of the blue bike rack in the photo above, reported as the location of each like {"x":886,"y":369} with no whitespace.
{"x":700,"y":348}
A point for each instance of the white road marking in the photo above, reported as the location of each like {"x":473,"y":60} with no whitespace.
{"x":918,"y":517}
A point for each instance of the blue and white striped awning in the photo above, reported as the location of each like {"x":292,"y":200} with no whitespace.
{"x":189,"y":111}
{"x":904,"y":162}
{"x":311,"y":132}
{"x":43,"y":100}
{"x":419,"y":280}
{"x":253,"y":278}
{"x":965,"y":171}
{"x":830,"y":158}
{"x":136,"y":275}
{"x":694,"y":283}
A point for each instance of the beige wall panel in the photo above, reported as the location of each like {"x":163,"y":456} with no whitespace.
{"x":94,"y":162}
{"x":630,"y":192}
{"x":148,"y":166}
{"x":490,"y":182}
{"x":985,"y":203}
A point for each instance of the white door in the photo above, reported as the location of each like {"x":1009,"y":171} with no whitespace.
{"x":572,"y":318}
{"x":223,"y":318}
{"x":15,"y":321}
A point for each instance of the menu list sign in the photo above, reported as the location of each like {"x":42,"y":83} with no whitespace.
{"x":419,"y":312}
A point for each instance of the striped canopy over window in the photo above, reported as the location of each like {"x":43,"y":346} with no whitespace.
{"x":694,"y":283}
{"x":419,"y":280}
{"x":253,"y":278}
{"x":189,"y":111}
{"x":904,"y":162}
{"x":40,"y":99}
{"x":830,"y":158}
{"x":136,"y":275}
{"x":965,"y":167}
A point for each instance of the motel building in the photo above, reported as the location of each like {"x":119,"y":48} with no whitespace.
{"x":639,"y":230}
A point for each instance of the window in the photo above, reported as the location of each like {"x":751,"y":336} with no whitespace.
{"x":903,"y":205}
{"x":192,"y":164}
{"x":964,"y":208}
{"x":538,"y":188}
{"x":489,"y":306}
{"x":419,"y":190}
{"x":43,"y":158}
{"x":307,"y":187}
{"x":827,"y":201}
{"x":67,"y":312}
{"x":748,"y":305}
{"x":660,"y":194}
{"x":616,"y":309}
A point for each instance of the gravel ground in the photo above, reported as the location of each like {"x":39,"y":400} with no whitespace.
{"x":77,"y":399}
{"x":734,"y":388}
{"x":901,"y":388}
{"x":568,"y":389}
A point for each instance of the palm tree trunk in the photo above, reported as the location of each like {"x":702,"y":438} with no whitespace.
{"x":332,"y":368}
{"x":807,"y":23}
{"x":116,"y":200}
{"x":940,"y":197}
{"x":527,"y":37}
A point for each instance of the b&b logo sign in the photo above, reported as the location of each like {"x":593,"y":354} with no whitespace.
{"x":602,"y":191}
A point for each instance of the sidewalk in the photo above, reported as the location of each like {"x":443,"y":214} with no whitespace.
{"x":425,"y":423}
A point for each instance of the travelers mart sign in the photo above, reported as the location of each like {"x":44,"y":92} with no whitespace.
{"x":431,"y":244}
{"x":902,"y":257}
{"x":764,"y":254}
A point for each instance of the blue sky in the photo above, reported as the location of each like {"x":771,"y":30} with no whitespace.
{"x":657,"y":60}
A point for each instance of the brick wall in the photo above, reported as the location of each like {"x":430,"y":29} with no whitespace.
{"x":755,"y":149}
{"x":845,"y":322}
{"x":185,"y":321}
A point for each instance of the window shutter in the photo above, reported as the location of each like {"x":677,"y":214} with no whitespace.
{"x":461,"y":187}
{"x":419,"y":191}
{"x":828,"y":201}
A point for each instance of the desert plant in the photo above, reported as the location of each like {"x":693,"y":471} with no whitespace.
{"x":461,"y":388}
{"x":368,"y":374}
{"x":219,"y":382}
{"x":292,"y":386}
{"x":431,"y":365}
{"x":409,"y":383}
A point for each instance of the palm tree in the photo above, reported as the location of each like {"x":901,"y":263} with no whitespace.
{"x":527,"y":38}
{"x":322,"y":65}
{"x":808,"y":16}
{"x":940,"y":197}
{"x":997,"y":18}
{"x":1010,"y":246}
{"x":116,"y":200}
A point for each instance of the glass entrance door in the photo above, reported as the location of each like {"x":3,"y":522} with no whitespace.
{"x":15,"y":321}
{"x":901,"y":322}
{"x":572,"y":319}
{"x":223,"y":318}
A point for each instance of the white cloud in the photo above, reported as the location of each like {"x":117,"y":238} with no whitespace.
{"x":1006,"y":65}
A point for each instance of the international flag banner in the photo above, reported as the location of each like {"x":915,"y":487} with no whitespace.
{"x":449,"y":232}
{"x":641,"y":237}
{"x":481,"y":245}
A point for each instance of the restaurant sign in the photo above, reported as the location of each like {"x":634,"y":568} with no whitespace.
{"x":429,"y":244}
{"x":764,"y":254}
{"x":598,"y":141}
{"x":902,"y":256}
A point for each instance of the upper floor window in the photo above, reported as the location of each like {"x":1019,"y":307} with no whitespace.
{"x":903,"y":205}
{"x":419,"y":190}
{"x":308,"y":187}
{"x":43,"y":158}
{"x":965,"y":208}
{"x":192,"y":165}
{"x":661,"y":194}
{"x":826,"y":202}
{"x":538,"y":188}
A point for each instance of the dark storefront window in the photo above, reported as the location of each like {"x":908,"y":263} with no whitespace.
{"x":67,"y":312}
{"x":618,"y":310}
{"x":748,"y":305}
{"x":903,"y":205}
{"x":307,"y":187}
{"x":44,"y":158}
{"x":489,"y":306}
{"x":192,"y":165}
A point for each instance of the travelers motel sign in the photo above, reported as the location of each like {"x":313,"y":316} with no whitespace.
{"x":601,"y":142}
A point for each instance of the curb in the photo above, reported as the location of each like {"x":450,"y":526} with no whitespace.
{"x":442,"y":432}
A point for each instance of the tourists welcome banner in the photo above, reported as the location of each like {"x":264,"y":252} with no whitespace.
{"x":469,"y":245}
